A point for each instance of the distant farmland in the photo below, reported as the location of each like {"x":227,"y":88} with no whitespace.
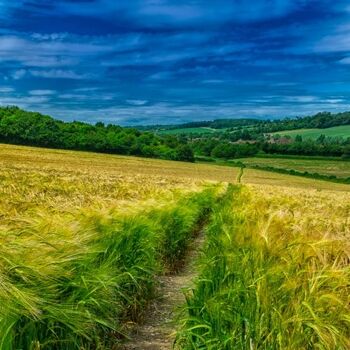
{"x":336,"y":131}
{"x":338,"y":168}
{"x":201,"y":130}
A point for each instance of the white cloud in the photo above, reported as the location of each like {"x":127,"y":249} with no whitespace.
{"x":137,"y":102}
{"x":333,"y":100}
{"x":339,"y":41}
{"x":87,"y":89}
{"x":51,"y":36}
{"x":24,"y":101}
{"x":62,"y":49}
{"x":74,"y":96}
{"x":50,"y":73}
{"x":301,"y":99}
{"x":6,"y":89}
{"x":59,"y":74}
{"x":41,"y":92}
{"x":19,"y":74}
{"x":75,"y":46}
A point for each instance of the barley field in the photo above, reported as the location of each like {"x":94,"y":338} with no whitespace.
{"x":274,"y":273}
{"x":82,"y":242}
{"x":85,"y":237}
{"x":162,"y":173}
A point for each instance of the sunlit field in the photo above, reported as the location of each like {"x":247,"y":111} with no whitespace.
{"x":274,"y":273}
{"x":60,"y":182}
{"x":82,"y":241}
{"x":84,"y":238}
{"x":94,"y":166}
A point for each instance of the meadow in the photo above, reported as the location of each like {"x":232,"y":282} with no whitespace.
{"x":338,"y":168}
{"x":336,"y":131}
{"x":85,"y":237}
{"x":199,"y":131}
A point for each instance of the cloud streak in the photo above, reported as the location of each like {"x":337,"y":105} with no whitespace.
{"x":161,"y":60}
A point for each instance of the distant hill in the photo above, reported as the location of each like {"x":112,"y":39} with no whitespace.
{"x":221,"y":138}
{"x":334,"y":131}
{"x":321,"y":120}
{"x":210,"y":124}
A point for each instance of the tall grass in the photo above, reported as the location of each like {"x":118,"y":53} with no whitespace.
{"x":270,"y":280}
{"x":179,"y":224}
{"x":72,"y":282}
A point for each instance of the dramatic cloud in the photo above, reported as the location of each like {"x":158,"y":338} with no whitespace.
{"x":160,"y":61}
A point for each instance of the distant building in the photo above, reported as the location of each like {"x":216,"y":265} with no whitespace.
{"x":281,"y":140}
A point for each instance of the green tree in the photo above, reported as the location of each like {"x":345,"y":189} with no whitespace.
{"x":185,"y":153}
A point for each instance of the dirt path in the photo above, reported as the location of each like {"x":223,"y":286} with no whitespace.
{"x":157,"y":330}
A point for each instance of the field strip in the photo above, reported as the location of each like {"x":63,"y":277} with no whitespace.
{"x":82,"y":247}
{"x":113,"y":173}
{"x":275,"y":273}
{"x":157,"y":330}
{"x":88,"y":242}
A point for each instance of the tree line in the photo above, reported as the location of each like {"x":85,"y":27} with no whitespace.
{"x":34,"y":129}
{"x":320,"y":120}
{"x":221,"y":148}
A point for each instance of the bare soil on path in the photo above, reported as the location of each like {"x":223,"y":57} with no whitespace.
{"x":157,"y":331}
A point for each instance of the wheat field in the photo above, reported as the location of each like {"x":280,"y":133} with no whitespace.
{"x":85,"y":236}
{"x":274,"y":273}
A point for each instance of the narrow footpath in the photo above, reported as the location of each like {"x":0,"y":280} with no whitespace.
{"x":157,"y":332}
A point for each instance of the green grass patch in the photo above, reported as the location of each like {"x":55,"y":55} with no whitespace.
{"x":73,"y":283}
{"x":199,"y":131}
{"x":266,"y":282}
{"x":328,"y":167}
{"x":336,"y":131}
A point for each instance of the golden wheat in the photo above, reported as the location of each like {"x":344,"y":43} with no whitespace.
{"x":274,"y":274}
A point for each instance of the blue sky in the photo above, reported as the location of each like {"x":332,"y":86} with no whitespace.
{"x":163,"y":61}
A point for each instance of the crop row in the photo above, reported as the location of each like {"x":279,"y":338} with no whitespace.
{"x":73,"y":283}
{"x":274,"y":275}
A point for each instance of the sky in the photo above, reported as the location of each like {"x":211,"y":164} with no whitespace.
{"x":164,"y":61}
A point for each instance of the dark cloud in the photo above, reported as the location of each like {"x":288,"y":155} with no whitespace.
{"x":146,"y":61}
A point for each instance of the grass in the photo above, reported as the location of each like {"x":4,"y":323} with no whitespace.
{"x":294,"y":156}
{"x":82,"y":242}
{"x":338,"y":168}
{"x":199,"y":131}
{"x":72,"y":283}
{"x":336,"y":131}
{"x":84,"y":236}
{"x":274,"y":273}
